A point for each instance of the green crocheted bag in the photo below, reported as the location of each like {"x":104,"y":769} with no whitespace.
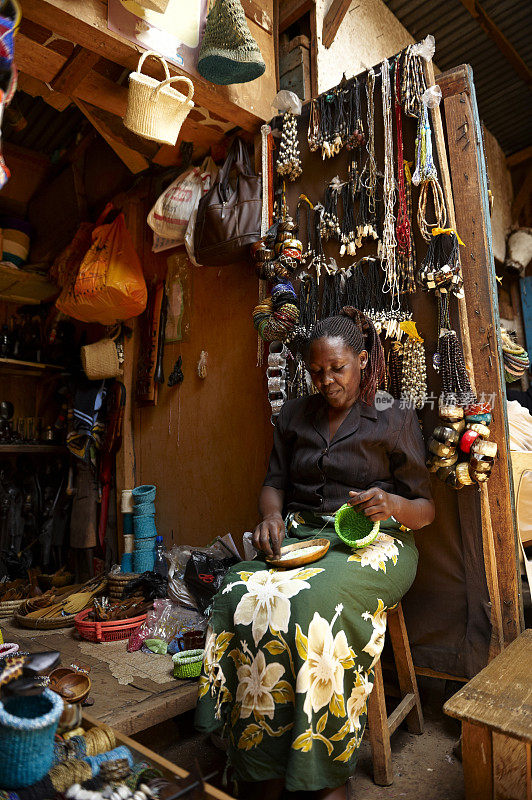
{"x":229,"y":53}
{"x":354,"y":528}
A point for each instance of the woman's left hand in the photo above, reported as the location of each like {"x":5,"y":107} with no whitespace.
{"x":375,"y":503}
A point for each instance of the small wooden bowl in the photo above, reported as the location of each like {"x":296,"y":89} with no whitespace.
{"x":298,"y":550}
{"x":73,"y":688}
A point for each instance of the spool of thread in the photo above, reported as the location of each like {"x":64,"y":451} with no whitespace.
{"x":126,"y":502}
{"x":127,"y":524}
{"x":96,"y":761}
{"x":126,"y":562}
{"x":129,"y":543}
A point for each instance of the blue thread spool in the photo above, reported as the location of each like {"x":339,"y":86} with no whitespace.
{"x":127,"y":524}
{"x":27,"y":730}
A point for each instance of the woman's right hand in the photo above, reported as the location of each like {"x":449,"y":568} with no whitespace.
{"x":269,"y":534}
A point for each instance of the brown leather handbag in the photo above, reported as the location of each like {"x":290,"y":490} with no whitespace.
{"x":228,"y":219}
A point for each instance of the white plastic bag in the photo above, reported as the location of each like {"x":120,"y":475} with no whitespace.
{"x":209,"y":171}
{"x":171,"y":213}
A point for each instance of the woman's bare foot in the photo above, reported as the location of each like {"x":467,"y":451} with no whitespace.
{"x":340,"y":793}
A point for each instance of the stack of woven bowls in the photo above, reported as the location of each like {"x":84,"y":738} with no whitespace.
{"x":144,"y":528}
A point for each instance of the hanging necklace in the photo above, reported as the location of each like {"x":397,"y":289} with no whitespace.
{"x":414,"y":84}
{"x":455,"y":380}
{"x":388,"y":244}
{"x":407,"y":260}
{"x":414,"y":372}
{"x":367,"y":208}
{"x":403,"y":222}
{"x":308,"y":253}
{"x":313,"y":127}
{"x":289,"y":159}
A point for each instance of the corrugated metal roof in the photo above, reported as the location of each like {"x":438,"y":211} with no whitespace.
{"x":504,"y":100}
{"x":47,"y":130}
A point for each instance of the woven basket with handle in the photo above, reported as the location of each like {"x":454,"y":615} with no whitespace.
{"x":155,"y":110}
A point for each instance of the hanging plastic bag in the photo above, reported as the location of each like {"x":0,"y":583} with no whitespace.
{"x":171,"y":213}
{"x":110,"y":285}
{"x":208,"y":176}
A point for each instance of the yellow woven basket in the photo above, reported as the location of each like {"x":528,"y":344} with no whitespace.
{"x":155,"y":110}
{"x":100,"y":360}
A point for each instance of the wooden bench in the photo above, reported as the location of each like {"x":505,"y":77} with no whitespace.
{"x":495,"y":709}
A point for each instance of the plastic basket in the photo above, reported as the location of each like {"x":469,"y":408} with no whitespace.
{"x":111,"y":631}
{"x":188,"y":663}
{"x":27,"y":730}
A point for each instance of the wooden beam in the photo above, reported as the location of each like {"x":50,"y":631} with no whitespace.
{"x":94,"y":88}
{"x":133,"y":160}
{"x":473,"y":223}
{"x":522,"y":195}
{"x":292,"y":10}
{"x":74,"y":70}
{"x":497,"y":36}
{"x":258,"y":14}
{"x":332,"y":20}
{"x":520,"y":157}
{"x":84,"y":22}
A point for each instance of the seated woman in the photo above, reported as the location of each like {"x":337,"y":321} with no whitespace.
{"x":290,"y":653}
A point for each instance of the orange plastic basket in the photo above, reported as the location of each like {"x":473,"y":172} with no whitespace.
{"x":106,"y":631}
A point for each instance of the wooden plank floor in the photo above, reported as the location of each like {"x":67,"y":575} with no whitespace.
{"x":129,"y":708}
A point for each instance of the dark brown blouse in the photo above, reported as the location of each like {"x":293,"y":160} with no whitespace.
{"x":371,"y":447}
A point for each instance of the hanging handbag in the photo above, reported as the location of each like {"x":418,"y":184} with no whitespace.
{"x":229,"y":53}
{"x":228,"y":220}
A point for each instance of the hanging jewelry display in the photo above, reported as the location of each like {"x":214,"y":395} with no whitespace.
{"x":413,"y":85}
{"x":313,"y":132}
{"x":449,"y":360}
{"x":308,"y":305}
{"x":406,"y":261}
{"x":441,"y":266}
{"x":388,"y":242}
{"x":348,"y":195}
{"x":414,"y":371}
{"x":460,"y":452}
{"x":394,"y":368}
{"x":276,"y":376}
{"x":332,"y":300}
{"x":289,"y":158}
{"x":319,"y":256}
{"x":277,"y":316}
{"x":355,"y":129}
{"x":367,"y":209}
{"x":438,"y":201}
{"x":330,"y":223}
{"x":304,"y":202}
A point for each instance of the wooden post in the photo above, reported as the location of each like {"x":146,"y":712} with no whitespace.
{"x":471,"y":513}
{"x":468,"y":174}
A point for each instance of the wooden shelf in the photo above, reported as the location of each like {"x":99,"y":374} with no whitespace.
{"x":22,"y":286}
{"x":33,"y":449}
{"x":15,"y":366}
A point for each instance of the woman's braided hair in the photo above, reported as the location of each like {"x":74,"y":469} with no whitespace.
{"x":358,"y":332}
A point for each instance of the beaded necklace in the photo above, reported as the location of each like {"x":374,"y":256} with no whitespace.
{"x":388,"y":244}
{"x":305,"y":202}
{"x":403,"y":223}
{"x":367,"y":208}
{"x":289,"y":159}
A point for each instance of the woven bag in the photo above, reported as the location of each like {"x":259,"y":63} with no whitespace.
{"x":100,"y":360}
{"x":155,"y":110}
{"x":229,"y":53}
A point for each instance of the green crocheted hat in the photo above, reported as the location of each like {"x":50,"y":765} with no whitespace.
{"x":354,"y":528}
{"x":229,"y":53}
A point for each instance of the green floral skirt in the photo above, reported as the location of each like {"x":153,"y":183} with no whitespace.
{"x":290,"y":653}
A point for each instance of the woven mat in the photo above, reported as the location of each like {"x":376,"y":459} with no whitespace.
{"x":127,"y":667}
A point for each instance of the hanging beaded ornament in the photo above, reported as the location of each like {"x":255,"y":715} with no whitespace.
{"x":367,"y":210}
{"x":388,"y":242}
{"x":414,"y":372}
{"x":289,"y":159}
{"x":441,"y":266}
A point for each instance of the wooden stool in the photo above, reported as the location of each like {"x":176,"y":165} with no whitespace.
{"x":495,"y":708}
{"x":381,"y":726}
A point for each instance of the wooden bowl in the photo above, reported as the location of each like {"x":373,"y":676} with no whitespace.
{"x":73,"y":687}
{"x":299,"y":557}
